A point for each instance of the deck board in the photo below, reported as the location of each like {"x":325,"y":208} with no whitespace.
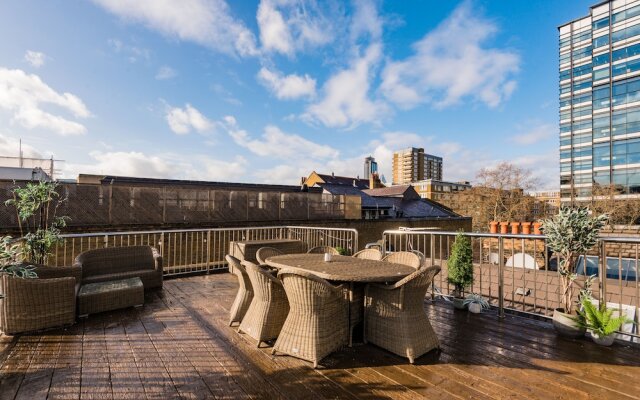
{"x":179,"y":345}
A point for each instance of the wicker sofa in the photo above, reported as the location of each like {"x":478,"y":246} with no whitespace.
{"x":116,"y":263}
{"x":45,"y":302}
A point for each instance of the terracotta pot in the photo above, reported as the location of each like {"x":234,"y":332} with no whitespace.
{"x":493,"y":227}
{"x":603,"y":340}
{"x":526,"y":228}
{"x":566,"y":325}
{"x":504,"y":227}
{"x":536,"y":228}
{"x":515,"y":228}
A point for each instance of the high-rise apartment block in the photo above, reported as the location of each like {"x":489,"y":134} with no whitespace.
{"x":413,"y":164}
{"x":370,"y":167}
{"x":600,"y":101}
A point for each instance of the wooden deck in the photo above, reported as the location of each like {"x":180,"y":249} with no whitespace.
{"x":179,"y":346}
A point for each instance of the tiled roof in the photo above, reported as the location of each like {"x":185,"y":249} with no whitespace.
{"x":127,"y":180}
{"x":389,"y":191}
{"x":344,"y":180}
{"x":367,"y":201}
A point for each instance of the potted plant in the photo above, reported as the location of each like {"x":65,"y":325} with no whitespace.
{"x":600,"y":322}
{"x":460,"y":268}
{"x":10,"y":260}
{"x":476,"y":303}
{"x":47,"y":300}
{"x":36,"y":207}
{"x":570,"y":233}
{"x":342,"y":251}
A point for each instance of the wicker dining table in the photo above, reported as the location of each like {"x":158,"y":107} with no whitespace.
{"x":355,"y":272}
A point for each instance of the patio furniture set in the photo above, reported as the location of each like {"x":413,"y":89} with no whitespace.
{"x":99,"y":280}
{"x":310,"y":306}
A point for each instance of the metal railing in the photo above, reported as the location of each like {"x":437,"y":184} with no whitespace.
{"x":518,"y":272}
{"x":199,"y":250}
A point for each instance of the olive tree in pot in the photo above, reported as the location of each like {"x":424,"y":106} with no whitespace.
{"x":460,"y":268}
{"x":570,"y":233}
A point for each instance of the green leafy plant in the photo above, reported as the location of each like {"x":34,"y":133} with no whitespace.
{"x":10,"y":255}
{"x":36,"y":207}
{"x":342,"y":251}
{"x":599,"y":320}
{"x":460,"y":264}
{"x":570,"y":233}
{"x":475,"y":298}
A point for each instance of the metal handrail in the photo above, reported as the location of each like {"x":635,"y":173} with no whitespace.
{"x":200,"y":249}
{"x":160,"y":231}
{"x":536,"y":283}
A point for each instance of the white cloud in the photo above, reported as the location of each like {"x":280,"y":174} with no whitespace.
{"x":226,"y":95}
{"x":366,"y":21}
{"x":287,"y":26}
{"x":133,"y":53}
{"x":184,"y":120}
{"x":451,"y":63}
{"x":24,"y":95}
{"x":346,"y":101}
{"x":276,"y":143}
{"x":34,"y":58}
{"x":171,"y":166}
{"x":205,"y":22}
{"x":536,"y":134}
{"x":165,"y":73}
{"x":288,"y":174}
{"x":289,"y":86}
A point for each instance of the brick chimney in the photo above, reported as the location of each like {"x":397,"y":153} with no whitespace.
{"x":374,"y":181}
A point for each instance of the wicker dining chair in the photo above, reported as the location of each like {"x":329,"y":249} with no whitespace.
{"x":269,"y":307}
{"x":265,"y":252}
{"x":324,"y":249}
{"x":421,"y":257}
{"x":369,"y":254}
{"x":318,"y":322}
{"x":404,"y":257}
{"x":394,"y":315}
{"x":245,"y":291}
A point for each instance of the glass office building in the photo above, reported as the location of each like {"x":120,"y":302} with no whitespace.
{"x":600,"y":102}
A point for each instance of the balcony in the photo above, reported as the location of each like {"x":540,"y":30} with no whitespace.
{"x":180,"y":345}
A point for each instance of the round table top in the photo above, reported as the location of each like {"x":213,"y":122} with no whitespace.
{"x":342,"y":268}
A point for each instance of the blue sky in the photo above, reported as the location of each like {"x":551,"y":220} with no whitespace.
{"x":266,"y":91}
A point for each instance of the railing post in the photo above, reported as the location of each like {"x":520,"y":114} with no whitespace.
{"x":384,"y":244}
{"x":432,"y":250}
{"x":500,"y":277}
{"x":602,"y":273}
{"x":106,"y":240}
{"x":208,"y":249}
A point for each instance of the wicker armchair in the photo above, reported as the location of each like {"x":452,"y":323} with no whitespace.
{"x":369,"y":254}
{"x":245,"y":291}
{"x":265,"y":252}
{"x":269,"y":306}
{"x":394,"y":315}
{"x":404,"y":257}
{"x":116,"y":263}
{"x":324,"y":249}
{"x":45,"y":302}
{"x":318,"y":322}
